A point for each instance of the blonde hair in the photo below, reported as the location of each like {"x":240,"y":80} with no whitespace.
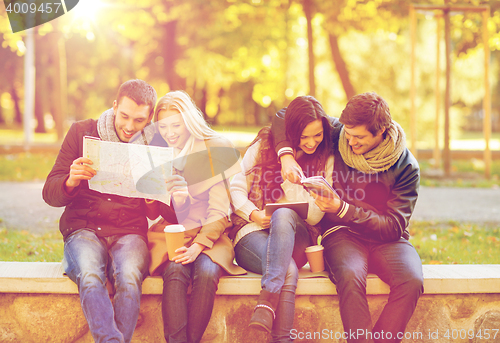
{"x":181,"y":102}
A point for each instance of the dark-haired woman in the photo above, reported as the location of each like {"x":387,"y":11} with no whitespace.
{"x":274,"y":245}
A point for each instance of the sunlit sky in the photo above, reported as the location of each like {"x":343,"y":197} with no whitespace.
{"x":88,"y":9}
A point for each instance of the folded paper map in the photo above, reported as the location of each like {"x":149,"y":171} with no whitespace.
{"x":130,"y":170}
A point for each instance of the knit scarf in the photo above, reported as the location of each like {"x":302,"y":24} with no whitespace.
{"x":107,"y":132}
{"x":380,"y":158}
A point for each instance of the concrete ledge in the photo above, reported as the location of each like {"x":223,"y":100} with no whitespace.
{"x":39,"y":304}
{"x":47,"y":277}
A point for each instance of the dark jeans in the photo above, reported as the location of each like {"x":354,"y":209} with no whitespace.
{"x":349,"y":259}
{"x":183,"y":322}
{"x":123,"y":259}
{"x":276,"y":253}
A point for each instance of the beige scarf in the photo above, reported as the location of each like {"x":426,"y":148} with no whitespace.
{"x":380,"y":158}
{"x":107,"y":132}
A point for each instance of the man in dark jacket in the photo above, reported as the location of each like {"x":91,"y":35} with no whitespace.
{"x":104,"y":234}
{"x":365,"y":225}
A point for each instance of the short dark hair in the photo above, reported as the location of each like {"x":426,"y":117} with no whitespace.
{"x":368,"y":109}
{"x":141,"y":92}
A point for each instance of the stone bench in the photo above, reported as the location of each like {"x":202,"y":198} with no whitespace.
{"x":39,"y":304}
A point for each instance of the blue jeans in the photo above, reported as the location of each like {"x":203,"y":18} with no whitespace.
{"x":183,"y":323}
{"x":277,"y":254}
{"x":124,"y":258}
{"x":349,"y":259}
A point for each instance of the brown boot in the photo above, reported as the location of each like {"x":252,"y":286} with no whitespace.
{"x":264,"y":313}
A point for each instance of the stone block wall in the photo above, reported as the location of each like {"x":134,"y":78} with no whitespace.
{"x":58,"y":318}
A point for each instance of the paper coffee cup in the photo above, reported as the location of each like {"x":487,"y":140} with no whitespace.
{"x":174,"y":236}
{"x":314,"y":255}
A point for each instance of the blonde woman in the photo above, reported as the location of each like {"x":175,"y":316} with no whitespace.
{"x":201,"y":203}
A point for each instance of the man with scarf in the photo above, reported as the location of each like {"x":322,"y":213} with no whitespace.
{"x":365,"y":226}
{"x":104,"y":234}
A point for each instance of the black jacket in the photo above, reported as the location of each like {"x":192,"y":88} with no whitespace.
{"x":375,"y":206}
{"x":106,"y":214}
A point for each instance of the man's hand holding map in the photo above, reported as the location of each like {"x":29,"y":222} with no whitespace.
{"x":130,"y":170}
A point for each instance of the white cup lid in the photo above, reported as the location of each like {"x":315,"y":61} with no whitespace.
{"x":314,"y":248}
{"x":174,"y":228}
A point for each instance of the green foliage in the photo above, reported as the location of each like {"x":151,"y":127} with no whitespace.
{"x":242,"y":60}
{"x":27,"y":247}
{"x":456,"y":243}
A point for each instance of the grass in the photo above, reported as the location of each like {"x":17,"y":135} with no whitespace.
{"x":26,"y":166}
{"x":436,"y":243}
{"x":29,"y":247}
{"x":16,"y":136}
{"x":456,"y":243}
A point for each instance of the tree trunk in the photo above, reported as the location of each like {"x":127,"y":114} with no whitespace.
{"x":286,"y":57}
{"x":271,"y":111}
{"x":42,"y":91}
{"x":253,"y":118}
{"x":203,"y":101}
{"x":310,"y":45}
{"x":18,"y":115}
{"x":341,"y":66}
{"x":2,"y":119}
{"x":220,"y":94}
{"x":57,"y":96}
{"x":63,"y":82}
{"x":171,"y":52}
{"x":447,"y":95}
{"x":39,"y":107}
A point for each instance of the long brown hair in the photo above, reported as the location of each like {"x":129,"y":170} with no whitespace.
{"x":266,"y":168}
{"x":302,"y":111}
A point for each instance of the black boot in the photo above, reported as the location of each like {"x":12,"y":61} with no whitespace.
{"x":264,"y":312}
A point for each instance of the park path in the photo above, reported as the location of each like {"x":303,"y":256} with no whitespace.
{"x":461,"y":204}
{"x":22,"y":206}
